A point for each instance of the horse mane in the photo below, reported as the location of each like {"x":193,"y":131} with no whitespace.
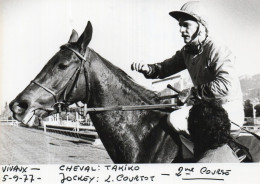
{"x":147,"y":95}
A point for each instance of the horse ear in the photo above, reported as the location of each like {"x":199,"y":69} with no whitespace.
{"x":73,"y":37}
{"x":86,"y":36}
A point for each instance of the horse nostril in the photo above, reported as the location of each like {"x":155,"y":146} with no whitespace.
{"x":20,"y":107}
{"x":23,"y":105}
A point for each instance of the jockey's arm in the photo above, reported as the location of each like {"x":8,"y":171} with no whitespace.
{"x":226,"y":80}
{"x":164,"y":69}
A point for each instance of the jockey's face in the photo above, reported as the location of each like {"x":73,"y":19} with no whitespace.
{"x":188,"y":29}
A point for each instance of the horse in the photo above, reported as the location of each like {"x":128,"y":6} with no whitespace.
{"x":76,"y":73}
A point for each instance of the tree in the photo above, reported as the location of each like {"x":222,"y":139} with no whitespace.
{"x":248,"y":108}
{"x":257,"y":108}
{"x":6,"y":113}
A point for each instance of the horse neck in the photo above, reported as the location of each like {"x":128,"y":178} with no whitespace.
{"x":112,"y":86}
{"x":122,"y":132}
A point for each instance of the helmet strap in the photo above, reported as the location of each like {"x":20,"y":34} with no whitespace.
{"x":192,"y":48}
{"x":195,"y":35}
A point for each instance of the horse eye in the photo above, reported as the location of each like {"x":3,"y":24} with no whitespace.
{"x":62,"y":66}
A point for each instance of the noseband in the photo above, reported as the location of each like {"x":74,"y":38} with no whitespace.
{"x":72,"y":82}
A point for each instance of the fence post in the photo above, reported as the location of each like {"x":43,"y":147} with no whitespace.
{"x":44,"y":127}
{"x":77,"y":126}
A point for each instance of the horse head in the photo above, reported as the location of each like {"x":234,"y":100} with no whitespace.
{"x":63,"y":80}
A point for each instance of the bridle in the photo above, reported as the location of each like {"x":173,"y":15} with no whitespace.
{"x":67,"y":89}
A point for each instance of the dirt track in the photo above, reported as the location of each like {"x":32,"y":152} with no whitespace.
{"x":19,"y":145}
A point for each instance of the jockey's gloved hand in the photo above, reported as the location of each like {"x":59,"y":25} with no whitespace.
{"x":189,"y":96}
{"x":184,"y":95}
{"x":140,"y":67}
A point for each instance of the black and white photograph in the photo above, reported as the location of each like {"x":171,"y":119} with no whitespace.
{"x":97,"y":84}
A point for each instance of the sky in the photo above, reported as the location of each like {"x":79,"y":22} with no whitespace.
{"x":31,"y":32}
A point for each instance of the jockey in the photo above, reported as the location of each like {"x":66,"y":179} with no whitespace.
{"x":210,"y":65}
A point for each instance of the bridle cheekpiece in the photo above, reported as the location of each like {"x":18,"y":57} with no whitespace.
{"x":67,"y":89}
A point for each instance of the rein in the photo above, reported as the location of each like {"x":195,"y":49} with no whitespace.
{"x":166,"y":107}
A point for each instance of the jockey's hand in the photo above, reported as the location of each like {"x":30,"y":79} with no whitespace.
{"x":140,"y":67}
{"x":189,"y":96}
{"x":184,"y":95}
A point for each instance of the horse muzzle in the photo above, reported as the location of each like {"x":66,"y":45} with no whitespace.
{"x":22,"y":112}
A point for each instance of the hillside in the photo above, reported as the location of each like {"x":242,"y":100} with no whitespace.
{"x":250,"y":86}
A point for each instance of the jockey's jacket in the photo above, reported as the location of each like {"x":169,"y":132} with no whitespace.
{"x":222,"y":154}
{"x":211,"y":69}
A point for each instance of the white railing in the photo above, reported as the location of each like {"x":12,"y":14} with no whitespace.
{"x":256,"y":127}
{"x":66,"y":124}
{"x":9,"y":122}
